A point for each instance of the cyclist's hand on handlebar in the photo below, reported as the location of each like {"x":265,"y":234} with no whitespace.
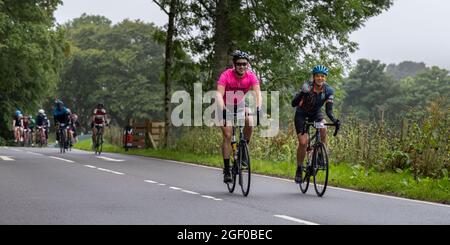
{"x":337,"y":123}
{"x":338,"y":126}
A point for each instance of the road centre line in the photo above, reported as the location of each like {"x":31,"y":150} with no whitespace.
{"x":110,"y":159}
{"x":110,"y":171}
{"x":62,"y":159}
{"x":295,"y":219}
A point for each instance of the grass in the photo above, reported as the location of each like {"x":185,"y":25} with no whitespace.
{"x":344,"y":175}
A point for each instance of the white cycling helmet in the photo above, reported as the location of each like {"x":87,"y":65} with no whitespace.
{"x":41,"y":111}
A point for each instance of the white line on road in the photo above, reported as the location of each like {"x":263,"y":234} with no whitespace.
{"x":6,"y":158}
{"x":295,"y":219}
{"x":111,"y":159}
{"x":210,"y":197}
{"x":330,"y":187}
{"x":110,"y":171}
{"x":90,"y":166}
{"x":34,"y":153}
{"x":62,"y":159}
{"x":190,"y":192}
{"x":175,"y":188}
{"x":151,"y":181}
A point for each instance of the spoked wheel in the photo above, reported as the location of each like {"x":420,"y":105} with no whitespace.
{"x":62,"y":142}
{"x":320,"y":167}
{"x":232,"y":184}
{"x":245,"y":169}
{"x":304,"y":183}
{"x":99,"y":144}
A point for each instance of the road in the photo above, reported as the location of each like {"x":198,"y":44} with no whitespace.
{"x":41,"y":186}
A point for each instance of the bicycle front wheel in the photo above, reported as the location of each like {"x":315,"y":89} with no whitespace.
{"x":304,"y":183}
{"x":320,"y":166}
{"x":232,"y":185}
{"x":62,"y":142}
{"x":244,"y":168}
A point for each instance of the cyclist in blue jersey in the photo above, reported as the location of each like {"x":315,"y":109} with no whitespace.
{"x":309,"y":100}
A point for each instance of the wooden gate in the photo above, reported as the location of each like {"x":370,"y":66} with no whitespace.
{"x":147,"y":134}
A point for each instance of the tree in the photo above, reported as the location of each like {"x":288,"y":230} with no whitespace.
{"x":119,"y":65}
{"x":31,"y":55}
{"x":168,"y":61}
{"x":284,"y":37}
{"x":367,"y":90}
{"x":405,"y":69}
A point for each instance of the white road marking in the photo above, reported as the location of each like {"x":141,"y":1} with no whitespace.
{"x":62,"y":159}
{"x":110,"y":171}
{"x":111,"y":159}
{"x":295,"y":219}
{"x":330,"y":187}
{"x":34,"y":153}
{"x":190,"y":192}
{"x":175,"y":188}
{"x":90,"y":166}
{"x":151,"y":181}
{"x":6,"y":158}
{"x":210,"y":197}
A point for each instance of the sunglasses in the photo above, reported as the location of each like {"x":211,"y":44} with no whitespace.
{"x":240,"y":64}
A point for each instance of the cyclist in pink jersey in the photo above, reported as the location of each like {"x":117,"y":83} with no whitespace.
{"x":232,"y":85}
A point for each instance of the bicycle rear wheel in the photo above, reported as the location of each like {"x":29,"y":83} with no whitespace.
{"x":320,"y":166}
{"x":244,"y":168}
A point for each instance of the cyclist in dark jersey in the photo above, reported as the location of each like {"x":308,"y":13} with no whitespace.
{"x":18,"y":126}
{"x":312,"y":96}
{"x":61,"y":117}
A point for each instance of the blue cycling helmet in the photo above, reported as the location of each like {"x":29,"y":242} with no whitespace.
{"x":238,"y":54}
{"x":320,"y":69}
{"x":18,"y":112}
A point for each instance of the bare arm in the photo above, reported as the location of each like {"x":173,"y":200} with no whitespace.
{"x":219,"y":94}
{"x":257,"y":90}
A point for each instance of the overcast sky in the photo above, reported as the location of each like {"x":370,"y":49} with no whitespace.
{"x":415,"y":30}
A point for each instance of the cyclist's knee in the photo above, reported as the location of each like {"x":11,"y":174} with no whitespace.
{"x":227,"y":136}
{"x":302,"y":140}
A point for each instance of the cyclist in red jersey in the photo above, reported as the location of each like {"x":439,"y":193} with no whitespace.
{"x":99,"y":120}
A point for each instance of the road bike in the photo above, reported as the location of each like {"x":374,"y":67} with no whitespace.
{"x":317,"y":164}
{"x":40,"y":136}
{"x":62,"y":129}
{"x":98,"y":146}
{"x":241,"y":167}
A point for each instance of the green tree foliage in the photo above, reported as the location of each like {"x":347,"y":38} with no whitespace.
{"x":405,"y":69}
{"x":285,"y":37}
{"x":119,"y":65}
{"x":31,"y":55}
{"x":367,"y":90}
{"x":372,"y":93}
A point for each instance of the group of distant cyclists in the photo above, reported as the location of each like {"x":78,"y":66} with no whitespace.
{"x":28,"y":131}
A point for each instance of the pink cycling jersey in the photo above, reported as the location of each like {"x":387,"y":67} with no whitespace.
{"x":232,"y":83}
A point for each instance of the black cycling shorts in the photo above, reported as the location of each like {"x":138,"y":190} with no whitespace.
{"x":300,"y":118}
